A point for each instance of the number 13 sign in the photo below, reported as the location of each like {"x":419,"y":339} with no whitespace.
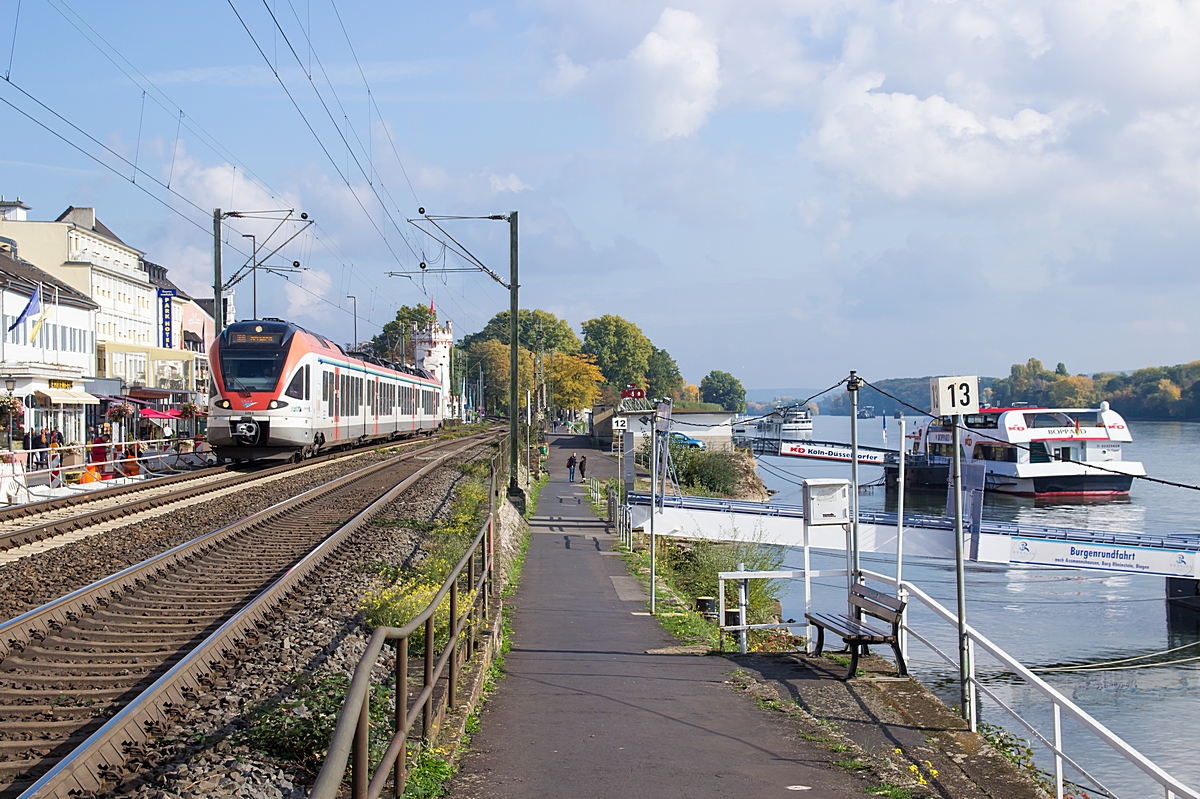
{"x":953,"y":395}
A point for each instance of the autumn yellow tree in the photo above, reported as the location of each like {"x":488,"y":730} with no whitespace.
{"x":495,"y":359}
{"x":573,"y":380}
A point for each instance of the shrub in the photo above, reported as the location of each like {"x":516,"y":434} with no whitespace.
{"x":693,"y":569}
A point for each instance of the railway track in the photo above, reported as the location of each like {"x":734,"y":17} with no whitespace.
{"x":86,"y":678}
{"x":38,"y":521}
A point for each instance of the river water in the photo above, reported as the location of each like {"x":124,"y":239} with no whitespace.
{"x":1046,"y":618}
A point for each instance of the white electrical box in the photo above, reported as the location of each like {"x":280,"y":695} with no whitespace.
{"x":826,"y":501}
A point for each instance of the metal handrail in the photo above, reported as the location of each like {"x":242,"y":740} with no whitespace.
{"x":351,"y":736}
{"x":1172,"y":786}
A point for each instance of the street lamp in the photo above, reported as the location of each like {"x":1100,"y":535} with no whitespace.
{"x":352,"y":297}
{"x":253,"y":268}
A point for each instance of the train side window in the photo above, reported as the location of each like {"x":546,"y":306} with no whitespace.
{"x":307,"y":382}
{"x":295,"y":389}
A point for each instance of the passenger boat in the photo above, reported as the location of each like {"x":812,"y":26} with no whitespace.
{"x":1033,"y":452}
{"x":784,"y":423}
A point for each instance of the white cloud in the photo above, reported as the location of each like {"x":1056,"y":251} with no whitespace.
{"x":676,"y":74}
{"x":568,"y":76}
{"x":510,"y":183}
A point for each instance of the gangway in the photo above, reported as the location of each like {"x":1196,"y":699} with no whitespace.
{"x":1022,"y":543}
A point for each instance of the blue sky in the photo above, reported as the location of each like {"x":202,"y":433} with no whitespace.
{"x":784,"y":190}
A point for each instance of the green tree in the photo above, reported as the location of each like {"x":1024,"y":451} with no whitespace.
{"x":620,"y":348}
{"x":662,"y":375}
{"x":723,"y":389}
{"x":557,"y":335}
{"x":394,"y":342}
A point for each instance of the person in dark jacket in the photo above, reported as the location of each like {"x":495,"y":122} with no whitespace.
{"x":583,"y":467}
{"x":571,"y":461}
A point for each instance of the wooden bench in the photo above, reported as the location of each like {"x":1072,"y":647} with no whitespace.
{"x":858,"y":635}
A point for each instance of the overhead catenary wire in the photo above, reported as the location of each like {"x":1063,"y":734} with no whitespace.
{"x":978,"y":434}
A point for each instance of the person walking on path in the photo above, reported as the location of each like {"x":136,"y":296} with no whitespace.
{"x":571,"y":461}
{"x":583,"y":467}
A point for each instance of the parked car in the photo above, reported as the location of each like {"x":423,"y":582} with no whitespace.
{"x":679,"y":439}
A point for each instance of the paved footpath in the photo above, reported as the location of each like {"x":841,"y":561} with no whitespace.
{"x":584,"y":711}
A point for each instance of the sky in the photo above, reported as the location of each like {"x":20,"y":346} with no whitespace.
{"x":782,"y":190}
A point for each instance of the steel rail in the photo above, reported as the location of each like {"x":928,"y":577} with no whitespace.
{"x":55,"y":527}
{"x":102,"y":754}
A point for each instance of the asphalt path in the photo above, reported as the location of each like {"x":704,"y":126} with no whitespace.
{"x":585,"y":711}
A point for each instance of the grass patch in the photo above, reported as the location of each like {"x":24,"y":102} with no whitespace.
{"x":890,"y":791}
{"x":853,"y":764}
{"x":535,"y":492}
{"x":428,"y":773}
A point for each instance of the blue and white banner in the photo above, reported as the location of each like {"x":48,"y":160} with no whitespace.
{"x":165,"y":296}
{"x":1103,"y":557}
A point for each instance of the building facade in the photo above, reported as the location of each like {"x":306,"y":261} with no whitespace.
{"x":47,"y":355}
{"x":138,"y":322}
{"x":432,"y":348}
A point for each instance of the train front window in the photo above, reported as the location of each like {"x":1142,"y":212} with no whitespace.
{"x":252,"y":370}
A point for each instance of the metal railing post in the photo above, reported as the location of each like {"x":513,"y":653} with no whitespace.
{"x":743,"y":591}
{"x":427,"y":713}
{"x":362,"y":732}
{"x":453,"y":644}
{"x":973,"y":721}
{"x":1058,"y":761}
{"x":401,"y":715}
{"x":473,"y":615}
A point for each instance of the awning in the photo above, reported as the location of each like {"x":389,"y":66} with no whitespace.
{"x":61,"y":397}
{"x":151,"y":413}
{"x":149,"y":393}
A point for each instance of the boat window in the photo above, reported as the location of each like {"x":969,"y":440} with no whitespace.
{"x":1035,"y":420}
{"x":995,"y":452}
{"x":1038,"y":453}
{"x":1084,"y":419}
{"x":982,"y":421}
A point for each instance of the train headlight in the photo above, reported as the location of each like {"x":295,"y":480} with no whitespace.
{"x":275,"y":404}
{"x":223,"y":404}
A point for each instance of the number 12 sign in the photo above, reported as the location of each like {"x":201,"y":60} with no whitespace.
{"x":954,"y":395}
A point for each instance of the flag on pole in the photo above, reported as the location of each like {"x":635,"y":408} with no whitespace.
{"x":885,"y":428}
{"x":32,"y":308}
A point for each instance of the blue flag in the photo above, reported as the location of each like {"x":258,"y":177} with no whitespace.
{"x":33,"y":308}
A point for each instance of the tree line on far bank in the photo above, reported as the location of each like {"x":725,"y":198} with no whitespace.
{"x":1151,"y":394}
{"x":612,"y":354}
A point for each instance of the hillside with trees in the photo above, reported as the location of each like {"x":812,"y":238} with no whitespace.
{"x":1152,"y":393}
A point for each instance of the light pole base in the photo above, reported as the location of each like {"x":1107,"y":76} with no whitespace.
{"x":517,"y":497}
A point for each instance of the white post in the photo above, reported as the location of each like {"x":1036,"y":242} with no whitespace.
{"x":742,"y":600}
{"x":964,"y":665}
{"x":808,"y":642}
{"x":1058,"y":761}
{"x":653,"y":506}
{"x":901,"y":594}
{"x":853,"y":386}
{"x":721,"y":612}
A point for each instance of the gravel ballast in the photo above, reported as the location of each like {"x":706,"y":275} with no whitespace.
{"x":42,"y":577}
{"x":319,"y":631}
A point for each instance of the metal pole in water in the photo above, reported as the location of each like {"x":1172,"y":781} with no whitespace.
{"x":964,"y":676}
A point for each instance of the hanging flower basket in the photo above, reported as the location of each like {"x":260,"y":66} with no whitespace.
{"x":11,"y":406}
{"x":190,"y":410}
{"x":119,"y":412}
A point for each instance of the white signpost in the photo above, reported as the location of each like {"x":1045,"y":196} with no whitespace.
{"x":951,"y":395}
{"x":620,"y":423}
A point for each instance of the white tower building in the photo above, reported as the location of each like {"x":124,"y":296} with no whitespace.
{"x":432,"y":346}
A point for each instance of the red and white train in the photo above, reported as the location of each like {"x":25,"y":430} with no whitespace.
{"x":278,"y":390}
